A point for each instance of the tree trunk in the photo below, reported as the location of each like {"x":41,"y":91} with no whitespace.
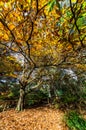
{"x":20,"y":105}
{"x":23,"y":80}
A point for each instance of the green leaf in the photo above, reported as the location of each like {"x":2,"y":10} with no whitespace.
{"x":81,"y":22}
{"x":84,"y":5}
{"x":51,"y":5}
{"x":58,"y":5}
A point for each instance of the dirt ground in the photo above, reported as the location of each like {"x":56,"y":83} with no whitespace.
{"x":42,"y":118}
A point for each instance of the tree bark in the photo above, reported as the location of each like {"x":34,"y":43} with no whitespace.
{"x":23,"y":80}
{"x":20,"y":105}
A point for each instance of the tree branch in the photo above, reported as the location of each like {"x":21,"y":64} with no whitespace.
{"x":75,"y":22}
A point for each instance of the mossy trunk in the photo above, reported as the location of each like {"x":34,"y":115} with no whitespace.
{"x":20,"y":104}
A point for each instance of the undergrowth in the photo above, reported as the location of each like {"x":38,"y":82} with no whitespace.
{"x":75,"y":121}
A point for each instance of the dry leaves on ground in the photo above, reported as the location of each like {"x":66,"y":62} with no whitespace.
{"x":42,"y":118}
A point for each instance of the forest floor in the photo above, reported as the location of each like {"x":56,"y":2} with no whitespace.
{"x":41,"y":118}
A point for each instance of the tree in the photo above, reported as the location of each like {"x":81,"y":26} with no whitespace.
{"x":44,"y":33}
{"x":17,"y":23}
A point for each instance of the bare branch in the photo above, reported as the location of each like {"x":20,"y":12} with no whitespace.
{"x":14,"y":40}
{"x":75,"y":22}
{"x":37,"y":9}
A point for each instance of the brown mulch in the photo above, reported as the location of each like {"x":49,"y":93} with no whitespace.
{"x":42,"y":118}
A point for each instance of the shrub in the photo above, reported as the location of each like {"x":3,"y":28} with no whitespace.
{"x":35,"y":98}
{"x":75,"y":121}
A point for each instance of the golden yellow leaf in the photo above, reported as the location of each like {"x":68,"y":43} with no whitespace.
{"x":73,"y":1}
{"x":11,"y":26}
{"x":5,"y":37}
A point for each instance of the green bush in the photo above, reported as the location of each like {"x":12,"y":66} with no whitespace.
{"x":14,"y":92}
{"x":35,"y":97}
{"x":68,"y":98}
{"x":75,"y":121}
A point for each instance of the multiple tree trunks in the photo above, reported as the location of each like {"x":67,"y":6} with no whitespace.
{"x":42,"y":39}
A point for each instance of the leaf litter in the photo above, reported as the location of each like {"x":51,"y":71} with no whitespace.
{"x":41,"y":118}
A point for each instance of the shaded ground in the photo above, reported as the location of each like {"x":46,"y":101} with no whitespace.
{"x":42,"y":118}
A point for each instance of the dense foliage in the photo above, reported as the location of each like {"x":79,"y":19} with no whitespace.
{"x":75,"y":121}
{"x":38,"y":38}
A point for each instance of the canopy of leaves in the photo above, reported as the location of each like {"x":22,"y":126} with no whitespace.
{"x":46,"y":33}
{"x":43,"y":31}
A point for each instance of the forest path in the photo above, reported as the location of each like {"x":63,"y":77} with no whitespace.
{"x":42,"y":118}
